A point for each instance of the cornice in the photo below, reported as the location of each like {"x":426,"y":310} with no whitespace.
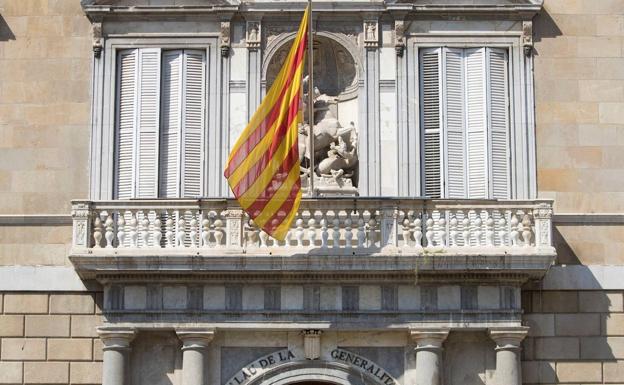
{"x":526,"y":9}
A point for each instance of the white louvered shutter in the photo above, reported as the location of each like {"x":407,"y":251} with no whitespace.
{"x":171,"y":124}
{"x":148,"y":123}
{"x":193,"y":123}
{"x":430,"y":120}
{"x":498,"y":113}
{"x":127,"y":63}
{"x":476,"y":123}
{"x":454,"y":133}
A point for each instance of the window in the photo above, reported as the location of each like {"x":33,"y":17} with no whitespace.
{"x":159,"y":135}
{"x":465,"y":122}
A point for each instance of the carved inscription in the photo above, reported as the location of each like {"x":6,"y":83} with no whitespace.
{"x":363,"y":365}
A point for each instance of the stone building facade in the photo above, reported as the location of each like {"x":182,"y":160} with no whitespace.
{"x":433,"y":260}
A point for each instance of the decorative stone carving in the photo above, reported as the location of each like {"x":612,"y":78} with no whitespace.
{"x":371,"y":34}
{"x":335,"y":150}
{"x":98,"y":39}
{"x":312,"y":343}
{"x":253,"y":37}
{"x":527,"y":37}
{"x":399,"y":37}
{"x":225,"y":38}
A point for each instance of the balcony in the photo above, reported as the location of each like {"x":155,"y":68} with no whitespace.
{"x":341,"y":235}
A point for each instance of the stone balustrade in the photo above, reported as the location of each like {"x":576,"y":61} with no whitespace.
{"x":332,"y":226}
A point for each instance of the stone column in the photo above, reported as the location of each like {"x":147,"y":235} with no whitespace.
{"x":194,"y":349}
{"x":508,"y":370}
{"x":428,"y":355}
{"x":116,"y":349}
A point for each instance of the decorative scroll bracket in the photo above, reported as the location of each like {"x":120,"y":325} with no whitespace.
{"x":399,"y":37}
{"x":527,"y":37}
{"x":225,"y":37}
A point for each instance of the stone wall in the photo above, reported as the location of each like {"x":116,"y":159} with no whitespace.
{"x":50,"y":338}
{"x":575,"y":337}
{"x":579,"y":87}
{"x":45,"y":102}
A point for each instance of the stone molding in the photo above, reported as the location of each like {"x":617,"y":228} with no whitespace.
{"x":195,"y":339}
{"x":116,"y":338}
{"x":429,"y":339}
{"x":508,"y":338}
{"x":526,"y":8}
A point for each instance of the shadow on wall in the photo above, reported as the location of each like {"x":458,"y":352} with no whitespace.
{"x":544,"y":27}
{"x":5,"y":32}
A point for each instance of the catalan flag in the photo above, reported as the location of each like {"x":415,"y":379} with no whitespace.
{"x":263,"y":167}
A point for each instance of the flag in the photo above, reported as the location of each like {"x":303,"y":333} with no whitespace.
{"x":263,"y":166}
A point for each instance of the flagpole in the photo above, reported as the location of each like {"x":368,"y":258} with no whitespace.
{"x":311,"y":99}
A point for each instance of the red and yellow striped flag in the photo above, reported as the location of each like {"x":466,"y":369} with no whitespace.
{"x":263,"y":167}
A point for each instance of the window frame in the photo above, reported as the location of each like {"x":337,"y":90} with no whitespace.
{"x":522,"y":175}
{"x":442,"y":52}
{"x":104,"y":107}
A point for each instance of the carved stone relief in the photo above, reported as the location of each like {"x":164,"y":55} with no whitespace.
{"x":253,"y":37}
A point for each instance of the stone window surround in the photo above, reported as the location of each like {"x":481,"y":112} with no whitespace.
{"x":523,"y":158}
{"x":522,"y":125}
{"x":104,"y":100}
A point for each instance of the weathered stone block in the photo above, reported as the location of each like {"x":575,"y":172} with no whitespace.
{"x":214,"y":297}
{"x":559,"y":302}
{"x":84,"y":325}
{"x":331,"y":298}
{"x":10,"y":372}
{"x":489,"y":297}
{"x":449,"y":297}
{"x":72,"y":304}
{"x":611,"y":113}
{"x":69,"y":349}
{"x":85,"y":372}
{"x":47,"y":326}
{"x":253,"y":297}
{"x":613,"y":371}
{"x":25,"y":303}
{"x":613,"y":324}
{"x":557,"y":348}
{"x":23,"y":349}
{"x":600,"y":302}
{"x":541,"y":325}
{"x":577,"y":324}
{"x":370,"y":297}
{"x":409,"y":297}
{"x":602,"y":348}
{"x":135,"y":297}
{"x":46,"y":372}
{"x":291,"y":297}
{"x":579,"y":371}
{"x":174,"y":297}
{"x":11,"y":326}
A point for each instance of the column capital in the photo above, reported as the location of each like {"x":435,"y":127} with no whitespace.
{"x":195,"y":338}
{"x":116,"y":338}
{"x":429,"y":339}
{"x":508,"y":338}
